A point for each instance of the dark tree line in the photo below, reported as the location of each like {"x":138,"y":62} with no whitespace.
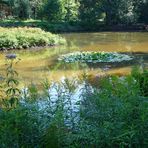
{"x":90,"y":12}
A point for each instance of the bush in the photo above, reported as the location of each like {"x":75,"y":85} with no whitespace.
{"x":142,"y":80}
{"x":114,"y":116}
{"x":17,"y":38}
{"x":74,"y":113}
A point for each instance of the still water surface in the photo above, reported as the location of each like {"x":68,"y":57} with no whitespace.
{"x":37,"y":64}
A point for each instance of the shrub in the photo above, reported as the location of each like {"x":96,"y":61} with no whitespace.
{"x":17,"y":38}
{"x":141,"y":78}
{"x":73,"y":113}
{"x":113,"y":116}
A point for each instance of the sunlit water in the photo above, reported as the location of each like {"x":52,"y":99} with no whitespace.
{"x":37,"y":64}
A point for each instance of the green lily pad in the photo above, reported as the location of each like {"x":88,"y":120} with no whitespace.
{"x":94,"y":57}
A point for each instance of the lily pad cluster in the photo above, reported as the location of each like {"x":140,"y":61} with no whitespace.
{"x":94,"y":57}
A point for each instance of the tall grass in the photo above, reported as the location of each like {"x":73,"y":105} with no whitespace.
{"x":73,"y":113}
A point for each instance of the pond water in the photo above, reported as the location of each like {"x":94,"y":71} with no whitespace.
{"x":37,"y":64}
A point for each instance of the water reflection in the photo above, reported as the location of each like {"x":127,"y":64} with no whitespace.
{"x":38,"y":64}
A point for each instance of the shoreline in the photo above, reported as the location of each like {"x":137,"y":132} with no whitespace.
{"x":62,"y":27}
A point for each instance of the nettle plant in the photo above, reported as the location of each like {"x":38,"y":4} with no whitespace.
{"x":10,"y":93}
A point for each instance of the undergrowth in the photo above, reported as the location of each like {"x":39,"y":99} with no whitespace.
{"x":75,"y":114}
{"x":18,"y":38}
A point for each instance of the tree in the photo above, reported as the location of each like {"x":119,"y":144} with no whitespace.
{"x":24,"y":9}
{"x":36,"y":6}
{"x":121,"y":11}
{"x":5,"y":9}
{"x":54,"y":10}
{"x":90,"y":12}
{"x":143,"y":10}
{"x":110,"y":8}
{"x":20,"y":8}
{"x":72,"y":10}
{"x":128,"y":12}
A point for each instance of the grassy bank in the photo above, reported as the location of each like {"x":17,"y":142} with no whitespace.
{"x":45,"y":25}
{"x":18,"y":38}
{"x":73,"y":113}
{"x":71,"y":27}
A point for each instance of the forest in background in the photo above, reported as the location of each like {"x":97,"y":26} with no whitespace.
{"x":91,"y":13}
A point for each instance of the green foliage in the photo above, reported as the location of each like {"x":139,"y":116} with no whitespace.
{"x":72,"y":12}
{"x":21,"y":8}
{"x":45,"y":25}
{"x":128,"y":12}
{"x":142,"y":80}
{"x":113,"y":115}
{"x":94,"y":57}
{"x":10,"y":93}
{"x":89,"y":14}
{"x":72,"y":113}
{"x":20,"y":126}
{"x":60,"y":10}
{"x":112,"y":12}
{"x":24,"y":8}
{"x":143,"y":12}
{"x":54,"y":10}
{"x":18,"y":38}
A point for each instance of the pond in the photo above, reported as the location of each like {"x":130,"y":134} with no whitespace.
{"x":37,"y":64}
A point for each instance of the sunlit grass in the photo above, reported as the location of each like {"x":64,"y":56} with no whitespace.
{"x":19,"y":38}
